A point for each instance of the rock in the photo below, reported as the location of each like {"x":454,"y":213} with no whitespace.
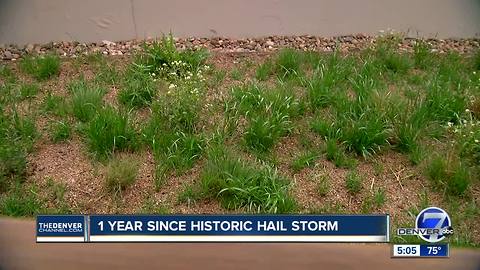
{"x":108,"y":43}
{"x":270,"y":43}
{"x":7,"y":55}
{"x":239,"y":50}
{"x":48,"y":46}
{"x":29,"y":47}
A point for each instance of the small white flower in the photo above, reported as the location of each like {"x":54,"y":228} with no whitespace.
{"x":477,"y":141}
{"x":467,"y":110}
{"x":450,"y":124}
{"x":171,"y":86}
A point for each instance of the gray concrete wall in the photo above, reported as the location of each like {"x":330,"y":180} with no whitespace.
{"x":41,"y":21}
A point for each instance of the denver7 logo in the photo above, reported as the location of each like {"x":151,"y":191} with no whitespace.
{"x":434,"y":218}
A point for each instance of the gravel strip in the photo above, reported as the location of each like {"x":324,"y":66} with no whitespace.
{"x":264,"y":44}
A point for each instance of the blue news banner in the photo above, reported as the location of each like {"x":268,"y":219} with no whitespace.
{"x":213,"y":228}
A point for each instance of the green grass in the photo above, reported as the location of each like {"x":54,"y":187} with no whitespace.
{"x":21,"y":201}
{"x":417,"y":155}
{"x":151,"y":207}
{"x":13,"y":164}
{"x":121,"y":173}
{"x":379,"y":197}
{"x":56,"y":194}
{"x":110,"y":131}
{"x":262,"y":133}
{"x":217,"y":77}
{"x":178,"y":110}
{"x":28,"y":91}
{"x":411,"y":120}
{"x":437,"y":171}
{"x":324,"y":87}
{"x":269,"y":112}
{"x":22,"y":130}
{"x":422,"y":57}
{"x":56,"y":105}
{"x":41,"y":67}
{"x":288,"y":63}
{"x":336,"y":154}
{"x":138,"y":89}
{"x":264,"y":70}
{"x":86,"y":100}
{"x":172,"y":130}
{"x":389,"y":57}
{"x":238,"y":185}
{"x":449,"y":175}
{"x":353,"y":182}
{"x":17,"y":136}
{"x":382,"y":105}
{"x":164,"y":60}
{"x":323,"y":185}
{"x":7,"y":74}
{"x":363,"y":126}
{"x":175,"y":151}
{"x":304,"y":160}
{"x":476,"y":60}
{"x":189,"y":195}
{"x":107,"y":74}
{"x":237,"y":74}
{"x":60,"y":131}
{"x":360,"y":123}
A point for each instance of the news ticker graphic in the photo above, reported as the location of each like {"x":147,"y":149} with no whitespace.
{"x":421,"y":251}
{"x":213,"y":228}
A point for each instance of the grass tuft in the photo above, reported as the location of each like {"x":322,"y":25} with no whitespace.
{"x":353,"y":182}
{"x":304,"y":160}
{"x":86,"y":100}
{"x":287,"y":63}
{"x":422,"y":56}
{"x":269,"y":113}
{"x":41,"y":67}
{"x":21,"y":201}
{"x":60,"y":131}
{"x":139,"y":89}
{"x":164,"y":60}
{"x":264,"y":70}
{"x":110,"y":131}
{"x":239,"y":185}
{"x":323,"y":185}
{"x":28,"y":91}
{"x":450,"y":175}
{"x":336,"y":154}
{"x":121,"y":173}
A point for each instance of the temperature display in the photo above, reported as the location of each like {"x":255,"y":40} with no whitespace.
{"x":440,"y":250}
